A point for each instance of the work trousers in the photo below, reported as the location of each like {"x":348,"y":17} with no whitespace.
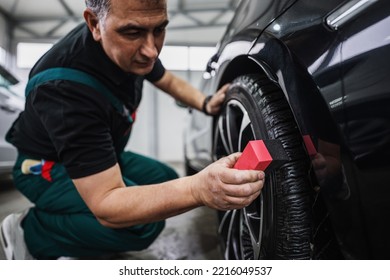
{"x":60,"y":223}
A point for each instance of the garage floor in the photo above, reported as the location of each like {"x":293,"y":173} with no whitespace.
{"x":190,"y":236}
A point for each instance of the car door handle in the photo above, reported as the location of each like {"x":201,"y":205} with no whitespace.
{"x":347,"y":12}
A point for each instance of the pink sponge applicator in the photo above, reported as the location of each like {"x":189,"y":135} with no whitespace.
{"x":264,"y":155}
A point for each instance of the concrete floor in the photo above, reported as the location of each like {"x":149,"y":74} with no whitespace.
{"x":190,"y":236}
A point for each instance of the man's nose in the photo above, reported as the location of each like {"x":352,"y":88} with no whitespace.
{"x":149,"y":49}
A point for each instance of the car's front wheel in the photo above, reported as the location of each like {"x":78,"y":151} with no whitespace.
{"x":278,"y":224}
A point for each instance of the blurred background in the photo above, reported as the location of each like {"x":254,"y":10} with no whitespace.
{"x":28,"y":28}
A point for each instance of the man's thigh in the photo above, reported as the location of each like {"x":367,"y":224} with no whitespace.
{"x":141,"y":170}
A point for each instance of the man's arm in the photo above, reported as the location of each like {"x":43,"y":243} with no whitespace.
{"x":189,"y":95}
{"x":217,"y":186}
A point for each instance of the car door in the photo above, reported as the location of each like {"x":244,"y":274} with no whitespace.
{"x":365,"y":34}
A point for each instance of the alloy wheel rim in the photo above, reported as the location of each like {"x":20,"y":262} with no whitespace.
{"x":232,"y":131}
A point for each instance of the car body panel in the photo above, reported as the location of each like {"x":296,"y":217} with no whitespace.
{"x":357,"y":104}
{"x":335,"y":79}
{"x":365,"y":54}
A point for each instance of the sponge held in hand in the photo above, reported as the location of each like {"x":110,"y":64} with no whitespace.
{"x":264,"y":155}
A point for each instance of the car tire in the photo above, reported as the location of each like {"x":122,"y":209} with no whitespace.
{"x":277,"y":225}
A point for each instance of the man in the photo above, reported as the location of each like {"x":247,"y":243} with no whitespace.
{"x":90,"y":197}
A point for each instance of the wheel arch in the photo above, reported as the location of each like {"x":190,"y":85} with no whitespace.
{"x":273,"y":58}
{"x":243,"y":65}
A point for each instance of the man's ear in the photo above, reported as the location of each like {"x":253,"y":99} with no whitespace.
{"x":93,"y":23}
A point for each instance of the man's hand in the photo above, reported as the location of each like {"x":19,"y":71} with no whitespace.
{"x":189,"y":95}
{"x":218,"y":186}
{"x":214,"y":105}
{"x":221,"y":187}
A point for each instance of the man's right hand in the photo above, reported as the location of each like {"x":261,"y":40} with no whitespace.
{"x":221,"y":187}
{"x":218,"y":186}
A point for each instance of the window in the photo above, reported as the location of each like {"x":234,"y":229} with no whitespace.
{"x":175,"y":58}
{"x":186,"y":58}
{"x":27,"y":54}
{"x":199,"y":56}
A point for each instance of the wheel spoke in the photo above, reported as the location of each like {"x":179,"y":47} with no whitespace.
{"x":245,"y":123}
{"x":252,"y":219}
{"x":253,"y":223}
{"x":223,"y":134}
{"x":231,"y":129}
{"x":233,"y":245}
{"x":239,"y":127}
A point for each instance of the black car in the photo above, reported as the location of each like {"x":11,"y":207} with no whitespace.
{"x":315,"y":76}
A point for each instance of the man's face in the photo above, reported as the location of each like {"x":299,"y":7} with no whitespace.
{"x":133,"y":33}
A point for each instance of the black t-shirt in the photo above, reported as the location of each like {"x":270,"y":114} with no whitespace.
{"x":72,"y":123}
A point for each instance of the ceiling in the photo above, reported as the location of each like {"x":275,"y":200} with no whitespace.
{"x":192,"y":22}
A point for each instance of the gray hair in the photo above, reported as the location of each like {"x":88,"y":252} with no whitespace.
{"x":100,"y":7}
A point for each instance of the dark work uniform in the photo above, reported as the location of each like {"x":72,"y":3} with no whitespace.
{"x":78,"y":132}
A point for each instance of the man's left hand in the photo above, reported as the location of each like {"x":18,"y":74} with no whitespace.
{"x":214,"y":105}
